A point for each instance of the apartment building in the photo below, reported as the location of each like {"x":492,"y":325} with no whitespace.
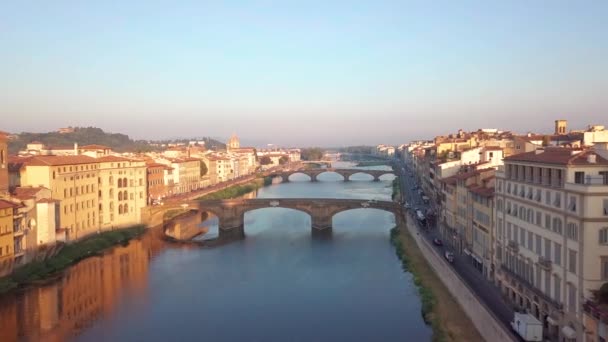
{"x":551,"y":245}
{"x":7,"y":247}
{"x":73,"y":181}
{"x":122,"y":191}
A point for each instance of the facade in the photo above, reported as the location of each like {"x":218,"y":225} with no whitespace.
{"x":7,"y":245}
{"x":122,"y":191}
{"x":73,"y":180}
{"x":4,"y":181}
{"x":552,"y":234}
{"x":156,"y":182}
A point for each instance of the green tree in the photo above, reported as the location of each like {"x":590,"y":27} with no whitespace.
{"x":283,"y":160}
{"x":265,"y":160}
{"x":312,"y":153}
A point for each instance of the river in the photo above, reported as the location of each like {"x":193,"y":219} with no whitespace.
{"x":278,"y":284}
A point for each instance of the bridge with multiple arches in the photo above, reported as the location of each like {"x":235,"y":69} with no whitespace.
{"x":231,"y":213}
{"x":345,"y":173}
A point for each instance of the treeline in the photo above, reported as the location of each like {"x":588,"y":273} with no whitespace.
{"x":83,"y":136}
{"x":312,"y":153}
{"x":357,"y":149}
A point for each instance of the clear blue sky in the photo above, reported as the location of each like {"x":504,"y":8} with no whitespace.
{"x":302,"y":73}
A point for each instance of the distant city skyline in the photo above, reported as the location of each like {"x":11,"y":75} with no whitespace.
{"x":312,"y":74}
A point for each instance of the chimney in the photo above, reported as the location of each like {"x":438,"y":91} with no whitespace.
{"x":591,"y":158}
{"x":76,"y":149}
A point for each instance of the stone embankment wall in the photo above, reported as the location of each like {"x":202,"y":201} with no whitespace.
{"x":486,"y":323}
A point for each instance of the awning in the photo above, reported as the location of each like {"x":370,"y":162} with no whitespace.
{"x":568,"y":332}
{"x":551,"y":321}
{"x":467,"y":252}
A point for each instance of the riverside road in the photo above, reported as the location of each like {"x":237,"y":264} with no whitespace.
{"x":487,"y":292}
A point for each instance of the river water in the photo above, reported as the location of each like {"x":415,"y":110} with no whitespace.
{"x":278,"y":284}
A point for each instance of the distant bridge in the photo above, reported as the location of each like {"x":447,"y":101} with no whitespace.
{"x":318,"y":162}
{"x":345,"y":173}
{"x":231,"y":213}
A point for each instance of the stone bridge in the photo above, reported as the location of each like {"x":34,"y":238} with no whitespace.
{"x":231,"y":213}
{"x":346,"y":173}
{"x":327,"y":163}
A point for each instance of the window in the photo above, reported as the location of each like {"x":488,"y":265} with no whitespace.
{"x":603,"y":240}
{"x":572,"y":204}
{"x":604,"y":268}
{"x":557,"y":249}
{"x":126,"y":208}
{"x":579,"y":177}
{"x":571,"y":297}
{"x":120,"y":196}
{"x":119,"y":183}
{"x":508,"y":187}
{"x":530,"y":240}
{"x":515,"y":188}
{"x":537,"y":198}
{"x":530,"y":193}
{"x":557,"y":225}
{"x":120,"y":208}
{"x":548,"y":221}
{"x":547,"y":249}
{"x":530,"y":216}
{"x":539,"y":245}
{"x":548,"y":197}
{"x":515,"y":233}
{"x":508,"y":231}
{"x":572,"y":261}
{"x":606,"y":207}
{"x":557,"y":288}
{"x":548,"y":283}
{"x":539,"y":218}
{"x":573,"y":231}
{"x":522,"y":237}
{"x":558,"y":200}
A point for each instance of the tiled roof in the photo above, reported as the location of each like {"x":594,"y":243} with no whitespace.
{"x":59,"y":160}
{"x":480,"y":190}
{"x":6,"y":204}
{"x":95,"y":147}
{"x":47,"y":200}
{"x":558,"y":156}
{"x":108,"y":159}
{"x":27,"y":192}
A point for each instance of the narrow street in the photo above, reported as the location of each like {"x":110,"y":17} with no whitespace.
{"x":488,"y":293}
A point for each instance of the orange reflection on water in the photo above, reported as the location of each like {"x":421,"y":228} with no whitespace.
{"x":85,"y":292}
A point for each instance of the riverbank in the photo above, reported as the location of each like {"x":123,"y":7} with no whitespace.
{"x":396,"y":195}
{"x":69,"y":255}
{"x":237,"y":190}
{"x":371,"y":163}
{"x":439,"y":309}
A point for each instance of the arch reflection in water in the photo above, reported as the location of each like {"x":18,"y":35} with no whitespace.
{"x":85,"y":293}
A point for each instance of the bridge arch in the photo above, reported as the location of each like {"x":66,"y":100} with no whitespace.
{"x":249,"y":212}
{"x":287,"y":177}
{"x":334,"y":172}
{"x":368,"y":175}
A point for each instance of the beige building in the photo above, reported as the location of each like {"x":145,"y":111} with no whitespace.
{"x":73,"y":181}
{"x":122,"y":191}
{"x":552,"y":235}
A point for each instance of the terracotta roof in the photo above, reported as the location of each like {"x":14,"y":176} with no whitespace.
{"x":59,"y":160}
{"x":558,"y":156}
{"x":6,"y":204}
{"x":492,"y":148}
{"x":107,"y":159}
{"x":153,"y":165}
{"x":27,"y":192}
{"x":47,"y":200}
{"x":450,"y":180}
{"x":15,"y":162}
{"x":61,"y":148}
{"x":480,"y":190}
{"x":94,"y":147}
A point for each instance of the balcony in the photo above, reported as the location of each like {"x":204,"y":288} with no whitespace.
{"x":590,"y":184}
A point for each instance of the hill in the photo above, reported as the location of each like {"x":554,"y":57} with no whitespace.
{"x":87,"y":136}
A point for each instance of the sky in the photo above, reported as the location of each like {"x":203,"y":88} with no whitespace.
{"x":302,"y":73}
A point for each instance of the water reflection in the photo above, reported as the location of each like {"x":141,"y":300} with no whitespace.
{"x":85,"y":293}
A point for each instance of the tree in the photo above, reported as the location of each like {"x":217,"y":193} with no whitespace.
{"x":265,"y":160}
{"x":203,"y":168}
{"x":283,"y":160}
{"x":313,"y":153}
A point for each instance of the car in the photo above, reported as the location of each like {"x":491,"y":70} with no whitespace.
{"x":449,"y":256}
{"x":438,"y":242}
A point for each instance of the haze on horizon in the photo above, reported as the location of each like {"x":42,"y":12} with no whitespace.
{"x":316,"y":73}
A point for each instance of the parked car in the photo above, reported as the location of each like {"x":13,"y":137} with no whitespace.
{"x":438,"y":242}
{"x":449,"y":256}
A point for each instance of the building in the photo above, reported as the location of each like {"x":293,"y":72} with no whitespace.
{"x":552,"y":234}
{"x":73,"y":180}
{"x":4,"y":180}
{"x":7,"y":244}
{"x":233,"y":143}
{"x":122,"y":191}
{"x":156,"y":182}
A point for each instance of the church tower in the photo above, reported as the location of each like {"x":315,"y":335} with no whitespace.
{"x":233,"y":143}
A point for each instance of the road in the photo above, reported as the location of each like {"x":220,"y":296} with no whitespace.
{"x":488,"y":293}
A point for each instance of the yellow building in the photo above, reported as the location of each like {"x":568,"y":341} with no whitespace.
{"x":122,"y":191}
{"x":3,"y":164}
{"x":73,"y":181}
{"x":7,"y":250}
